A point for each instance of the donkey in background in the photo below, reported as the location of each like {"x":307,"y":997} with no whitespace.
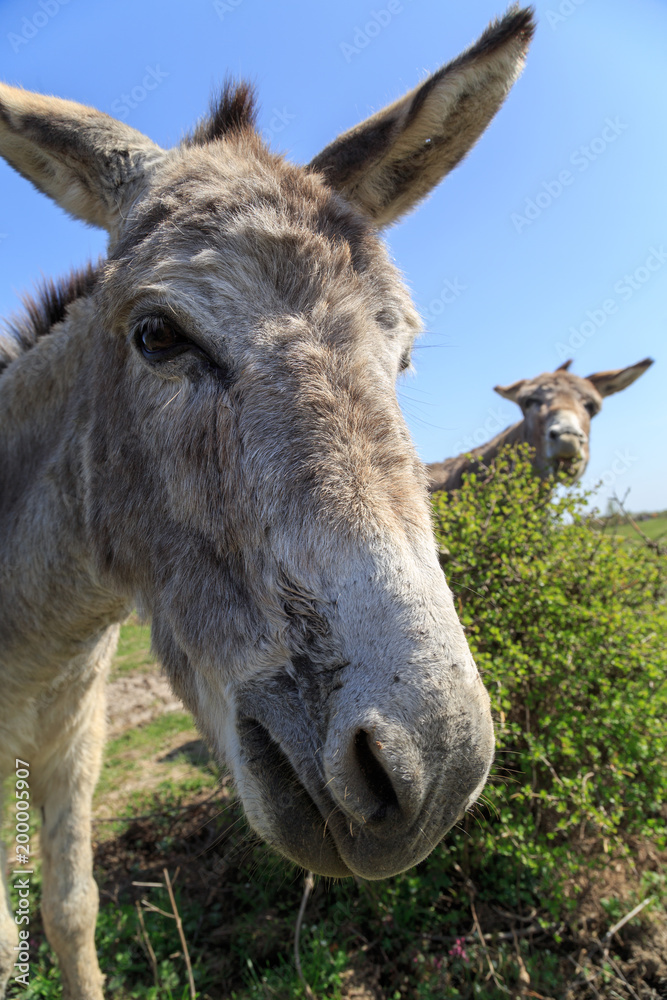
{"x":206,"y":426}
{"x":557,"y":410}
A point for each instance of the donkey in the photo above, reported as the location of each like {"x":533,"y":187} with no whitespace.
{"x":205,"y":426}
{"x":557,"y":411}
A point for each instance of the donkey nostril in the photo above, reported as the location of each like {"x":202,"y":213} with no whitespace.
{"x":553,"y":435}
{"x":375,"y":777}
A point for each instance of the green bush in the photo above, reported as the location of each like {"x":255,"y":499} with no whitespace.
{"x":568,"y":626}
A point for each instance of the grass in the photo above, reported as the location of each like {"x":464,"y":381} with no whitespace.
{"x":654,"y":528}
{"x":150,"y":769}
{"x":134,"y":652}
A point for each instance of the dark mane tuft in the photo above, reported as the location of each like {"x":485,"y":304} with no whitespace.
{"x":43,"y":310}
{"x":231,"y":110}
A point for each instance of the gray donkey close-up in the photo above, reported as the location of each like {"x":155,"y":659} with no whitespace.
{"x":205,"y":426}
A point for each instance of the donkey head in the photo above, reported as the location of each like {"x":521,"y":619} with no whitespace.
{"x":249,"y":479}
{"x":558,"y":408}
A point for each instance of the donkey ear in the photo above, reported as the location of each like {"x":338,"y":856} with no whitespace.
{"x":564,"y":367}
{"x":90,"y":164}
{"x":512,"y":391}
{"x":607,"y":383}
{"x":391,"y":161}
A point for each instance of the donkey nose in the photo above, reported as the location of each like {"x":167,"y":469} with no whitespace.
{"x":567,"y":442}
{"x":565,"y":433}
{"x":370,"y":783}
{"x":371,"y":778}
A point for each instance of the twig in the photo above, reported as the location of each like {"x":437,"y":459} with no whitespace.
{"x":621,"y":976}
{"x":152,"y":908}
{"x":524,"y":976}
{"x":149,"y":946}
{"x":650,"y":542}
{"x":582,"y":973}
{"x":308,"y":886}
{"x":496,"y":936}
{"x":512,"y":917}
{"x":621,"y":923}
{"x":179,"y":925}
{"x":486,"y":950}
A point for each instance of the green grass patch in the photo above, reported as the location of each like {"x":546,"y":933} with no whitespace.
{"x":144,"y":758}
{"x":134,"y":649}
{"x":654,"y":528}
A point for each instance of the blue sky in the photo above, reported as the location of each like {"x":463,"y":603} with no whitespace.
{"x":591,"y":102}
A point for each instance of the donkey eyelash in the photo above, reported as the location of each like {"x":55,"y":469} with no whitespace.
{"x":158,"y":339}
{"x":405,"y":363}
{"x":174,"y":344}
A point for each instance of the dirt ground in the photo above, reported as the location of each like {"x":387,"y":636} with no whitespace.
{"x":136,"y":698}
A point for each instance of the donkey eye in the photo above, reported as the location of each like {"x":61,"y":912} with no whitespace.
{"x":158,"y":340}
{"x":533,"y":401}
{"x":591,"y":409}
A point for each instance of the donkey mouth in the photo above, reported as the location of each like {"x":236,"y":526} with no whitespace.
{"x":291,"y":821}
{"x":290,"y":806}
{"x":571,"y":466}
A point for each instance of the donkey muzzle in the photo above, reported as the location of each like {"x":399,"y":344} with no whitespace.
{"x":356,"y":791}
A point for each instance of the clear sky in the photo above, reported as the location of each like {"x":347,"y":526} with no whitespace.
{"x":591,"y":102}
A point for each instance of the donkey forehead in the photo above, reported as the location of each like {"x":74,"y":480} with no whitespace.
{"x":270,"y":238}
{"x":560,"y":390}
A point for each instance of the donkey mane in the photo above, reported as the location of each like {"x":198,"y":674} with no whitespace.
{"x":42,"y":310}
{"x":232,"y":109}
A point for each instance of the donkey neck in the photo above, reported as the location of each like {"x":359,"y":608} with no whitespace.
{"x":486,"y":453}
{"x":44,"y":399}
{"x":448,"y":475}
